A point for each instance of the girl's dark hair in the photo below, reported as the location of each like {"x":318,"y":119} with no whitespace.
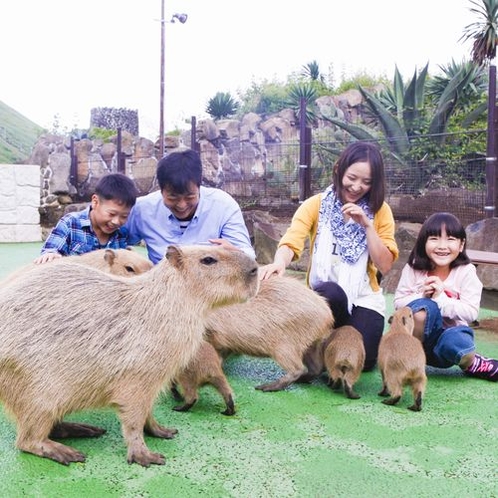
{"x":117,"y":187}
{"x":178,"y":170}
{"x":363,"y":152}
{"x":433,"y":226}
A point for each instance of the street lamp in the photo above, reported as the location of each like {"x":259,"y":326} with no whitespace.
{"x":182,"y":18}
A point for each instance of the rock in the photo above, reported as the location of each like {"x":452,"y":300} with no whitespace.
{"x":483,"y":236}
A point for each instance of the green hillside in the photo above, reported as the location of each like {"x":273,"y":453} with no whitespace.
{"x":18,"y":135}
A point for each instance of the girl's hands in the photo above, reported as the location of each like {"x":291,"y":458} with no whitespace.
{"x":433,"y":287}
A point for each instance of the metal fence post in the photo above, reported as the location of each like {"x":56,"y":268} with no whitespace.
{"x":491,"y":152}
{"x":304,"y":173}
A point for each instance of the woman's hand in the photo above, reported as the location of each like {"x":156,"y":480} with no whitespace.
{"x":265,"y":272}
{"x":356,"y":213}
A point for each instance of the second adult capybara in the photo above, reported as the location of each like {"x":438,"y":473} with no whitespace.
{"x":123,"y":262}
{"x":344,"y":358}
{"x":205,"y":368}
{"x":402,"y":360}
{"x":101,"y":340}
{"x":283,"y":321}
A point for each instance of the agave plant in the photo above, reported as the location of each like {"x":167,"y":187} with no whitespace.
{"x":402,"y":113}
{"x":296,"y":93}
{"x":222,"y":105}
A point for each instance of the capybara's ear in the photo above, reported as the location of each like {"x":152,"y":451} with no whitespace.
{"x":109,"y":256}
{"x":175,"y":256}
{"x":390,"y":320}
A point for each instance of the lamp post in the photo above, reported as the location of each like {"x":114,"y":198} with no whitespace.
{"x":183,"y":19}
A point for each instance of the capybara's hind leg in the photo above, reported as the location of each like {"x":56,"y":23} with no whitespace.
{"x":384,"y":391}
{"x":34,"y":439}
{"x":63,"y":430}
{"x":176,"y":393}
{"x":223,"y":387}
{"x":189,"y":397}
{"x":348,"y":389}
{"x":417,"y":405}
{"x":291,"y":363}
{"x":335,"y":384}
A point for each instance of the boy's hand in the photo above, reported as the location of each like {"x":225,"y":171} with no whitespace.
{"x":45,"y":258}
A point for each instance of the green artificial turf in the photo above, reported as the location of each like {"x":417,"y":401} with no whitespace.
{"x":307,"y":441}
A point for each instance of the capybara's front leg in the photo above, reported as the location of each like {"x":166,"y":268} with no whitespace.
{"x":34,"y":439}
{"x":152,"y":428}
{"x":63,"y":430}
{"x":135,"y":420}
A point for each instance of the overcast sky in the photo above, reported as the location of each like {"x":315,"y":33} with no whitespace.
{"x":60,"y":57}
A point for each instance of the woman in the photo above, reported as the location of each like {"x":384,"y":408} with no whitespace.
{"x":351,"y":233}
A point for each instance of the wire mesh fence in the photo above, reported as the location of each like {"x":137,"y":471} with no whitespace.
{"x":414,"y":189}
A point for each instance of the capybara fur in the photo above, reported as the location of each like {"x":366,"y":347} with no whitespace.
{"x":402,"y":360}
{"x":99,"y":340}
{"x":283,"y":321}
{"x":344,"y":358}
{"x":205,"y":368}
{"x":124,"y":262}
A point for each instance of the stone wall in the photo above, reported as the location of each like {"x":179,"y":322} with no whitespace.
{"x":19,"y":203}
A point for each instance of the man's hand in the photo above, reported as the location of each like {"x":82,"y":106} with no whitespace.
{"x":225,"y":244}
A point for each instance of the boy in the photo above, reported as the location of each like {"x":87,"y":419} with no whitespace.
{"x":98,"y":226}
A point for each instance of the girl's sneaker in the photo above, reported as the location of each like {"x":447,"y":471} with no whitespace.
{"x":483,"y":368}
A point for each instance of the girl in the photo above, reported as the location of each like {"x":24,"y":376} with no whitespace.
{"x":441,"y":287}
{"x":351,"y":232}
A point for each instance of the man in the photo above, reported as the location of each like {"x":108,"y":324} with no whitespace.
{"x":184,"y":212}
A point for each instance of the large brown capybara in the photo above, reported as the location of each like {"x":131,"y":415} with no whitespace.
{"x":344,"y":358}
{"x":402,"y":360}
{"x":100,"y":340}
{"x":205,"y":368}
{"x":123,"y":262}
{"x":283,"y":321}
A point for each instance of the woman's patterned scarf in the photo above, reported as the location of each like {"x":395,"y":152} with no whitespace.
{"x":351,"y":237}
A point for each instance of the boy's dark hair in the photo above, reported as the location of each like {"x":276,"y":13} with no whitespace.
{"x":178,"y":170}
{"x":117,"y":187}
{"x":433,"y":226}
{"x":363,"y":152}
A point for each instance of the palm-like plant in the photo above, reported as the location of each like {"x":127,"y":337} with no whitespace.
{"x":312,"y":72}
{"x":484,"y":34}
{"x":309,"y":94}
{"x":222,"y":105}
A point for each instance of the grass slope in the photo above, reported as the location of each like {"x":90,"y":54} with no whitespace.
{"x":18,"y":135}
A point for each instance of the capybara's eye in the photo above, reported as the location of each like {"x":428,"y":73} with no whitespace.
{"x":130,"y":269}
{"x":208,"y":260}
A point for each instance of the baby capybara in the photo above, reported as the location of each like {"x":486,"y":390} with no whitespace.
{"x":205,"y":368}
{"x":402,"y":360}
{"x":344,"y":357}
{"x":283,"y":321}
{"x":123,"y":262}
{"x":99,"y":340}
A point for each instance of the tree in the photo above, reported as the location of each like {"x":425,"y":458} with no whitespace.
{"x":222,"y":105}
{"x":484,"y":35}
